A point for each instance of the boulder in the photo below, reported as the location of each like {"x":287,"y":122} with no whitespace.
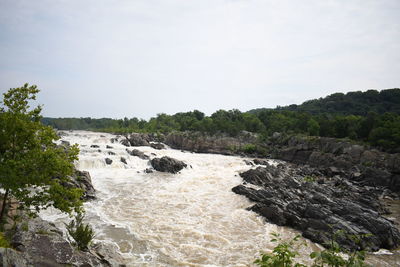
{"x":123,"y":160}
{"x":167,"y":164}
{"x":108,"y":161}
{"x":158,"y":146}
{"x":82,"y":180}
{"x":136,"y":139}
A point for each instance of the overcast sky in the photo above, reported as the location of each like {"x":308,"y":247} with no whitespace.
{"x":117,"y":58}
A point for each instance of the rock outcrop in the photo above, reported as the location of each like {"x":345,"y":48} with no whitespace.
{"x":158,"y":146}
{"x":203,"y":143}
{"x":39,"y":243}
{"x":360,"y":163}
{"x":167,"y":164}
{"x":82,"y":180}
{"x":319,"y":206}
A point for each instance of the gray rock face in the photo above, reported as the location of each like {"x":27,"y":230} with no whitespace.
{"x":323,"y":152}
{"x":40,"y":243}
{"x":202,"y":143}
{"x":125,"y":142}
{"x":82,"y":180}
{"x":167,"y":164}
{"x":319,"y":206}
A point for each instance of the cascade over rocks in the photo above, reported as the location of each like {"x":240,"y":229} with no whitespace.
{"x":167,"y":164}
{"x":319,"y":206}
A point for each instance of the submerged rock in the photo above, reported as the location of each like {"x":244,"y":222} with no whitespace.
{"x":167,"y":164}
{"x":137,"y":153}
{"x":319,"y":209}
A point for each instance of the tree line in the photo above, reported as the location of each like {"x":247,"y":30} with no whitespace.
{"x":379,"y":128}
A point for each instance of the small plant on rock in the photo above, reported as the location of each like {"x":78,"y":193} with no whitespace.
{"x":282,"y":255}
{"x":81,"y":233}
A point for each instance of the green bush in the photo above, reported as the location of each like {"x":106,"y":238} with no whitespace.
{"x":4,"y":243}
{"x":81,"y":233}
{"x":284,"y":253}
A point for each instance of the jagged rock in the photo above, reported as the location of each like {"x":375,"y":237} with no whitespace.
{"x":123,"y":160}
{"x":110,"y":153}
{"x":40,"y":243}
{"x":167,"y":164}
{"x":108,"y":161}
{"x":137,"y":153}
{"x":94,"y":146}
{"x":158,"y":146}
{"x":109,"y":147}
{"x":82,"y":180}
{"x":319,"y":209}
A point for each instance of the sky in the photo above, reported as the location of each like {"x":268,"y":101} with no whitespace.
{"x":138,"y":58}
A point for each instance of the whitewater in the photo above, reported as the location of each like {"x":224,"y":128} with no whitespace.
{"x":160,"y":219}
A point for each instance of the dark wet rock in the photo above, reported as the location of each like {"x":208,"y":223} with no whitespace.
{"x":136,"y":139}
{"x":137,"y":153}
{"x":260,"y":162}
{"x":123,"y":160}
{"x":148,"y":170}
{"x":248,"y":162}
{"x":167,"y":164}
{"x":110,"y":153}
{"x":40,"y":243}
{"x":109,"y":147}
{"x":158,"y":146}
{"x":108,"y":161}
{"x":94,"y":146}
{"x":285,"y":197}
{"x":125,"y":142}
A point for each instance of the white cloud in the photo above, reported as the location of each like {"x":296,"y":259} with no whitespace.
{"x":139,"y":58}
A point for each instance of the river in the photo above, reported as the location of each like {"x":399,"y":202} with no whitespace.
{"x":187,"y":219}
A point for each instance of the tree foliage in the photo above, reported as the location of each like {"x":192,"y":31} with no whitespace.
{"x":339,"y":115}
{"x":33,"y":168}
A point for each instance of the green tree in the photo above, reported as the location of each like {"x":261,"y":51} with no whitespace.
{"x":33,"y":169}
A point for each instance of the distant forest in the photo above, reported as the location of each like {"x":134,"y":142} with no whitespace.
{"x":372,"y":117}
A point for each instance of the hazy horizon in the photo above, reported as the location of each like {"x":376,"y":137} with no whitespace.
{"x":120,"y":58}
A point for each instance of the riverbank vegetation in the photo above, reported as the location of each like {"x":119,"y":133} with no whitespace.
{"x":370,"y":117}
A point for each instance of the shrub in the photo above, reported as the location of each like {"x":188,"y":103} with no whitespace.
{"x":81,"y":233}
{"x":283,"y":254}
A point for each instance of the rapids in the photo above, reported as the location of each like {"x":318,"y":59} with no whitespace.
{"x":159,"y":219}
